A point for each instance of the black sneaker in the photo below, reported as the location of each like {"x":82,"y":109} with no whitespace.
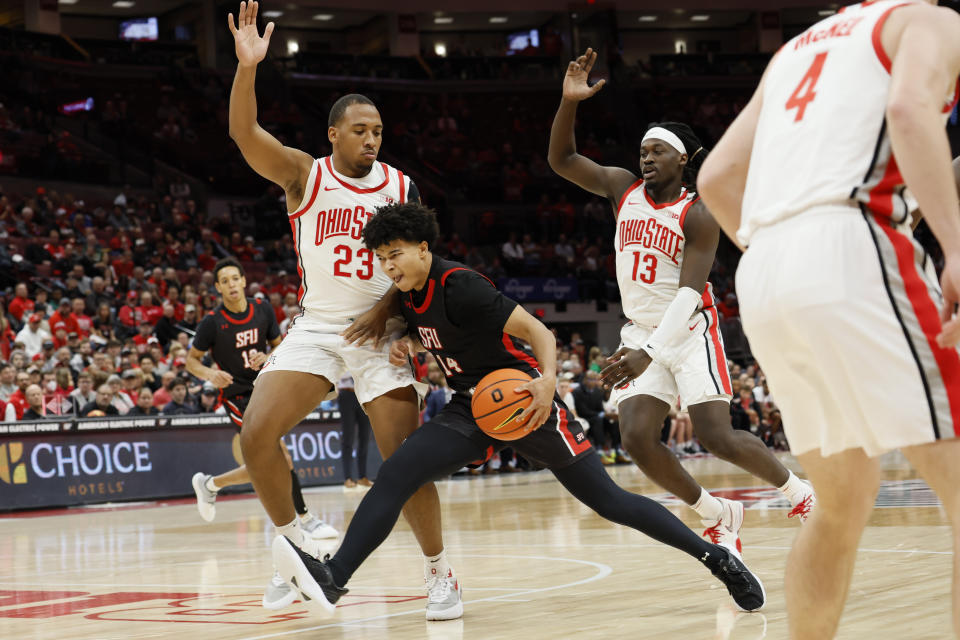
{"x":309,"y":577}
{"x":745,"y":588}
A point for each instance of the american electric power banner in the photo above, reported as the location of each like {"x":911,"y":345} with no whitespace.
{"x":47,"y":464}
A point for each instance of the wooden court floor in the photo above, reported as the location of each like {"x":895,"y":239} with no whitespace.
{"x":533,"y":562}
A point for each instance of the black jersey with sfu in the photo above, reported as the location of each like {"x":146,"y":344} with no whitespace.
{"x":459,"y":317}
{"x":232,"y":337}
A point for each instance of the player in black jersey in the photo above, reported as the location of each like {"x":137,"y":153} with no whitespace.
{"x":237,"y":334}
{"x":472,"y":329}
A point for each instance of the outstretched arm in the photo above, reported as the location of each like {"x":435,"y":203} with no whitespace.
{"x":609,"y":182}
{"x":282,"y":165}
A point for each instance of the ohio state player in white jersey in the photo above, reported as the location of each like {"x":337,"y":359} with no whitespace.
{"x":341,"y":278}
{"x":812,"y":178}
{"x":666,"y":242}
{"x":340,"y":296}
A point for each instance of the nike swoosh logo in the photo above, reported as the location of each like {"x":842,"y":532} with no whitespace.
{"x":692,"y":328}
{"x":640,"y":202}
{"x":512,"y":416}
{"x":330,"y":188}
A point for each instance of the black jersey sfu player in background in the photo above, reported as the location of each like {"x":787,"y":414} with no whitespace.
{"x":472,"y":329}
{"x":237,"y":334}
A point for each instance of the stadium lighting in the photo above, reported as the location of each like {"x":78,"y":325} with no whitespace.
{"x":292,"y":47}
{"x":323,"y":17}
{"x":826,"y":12}
{"x":272,"y":14}
{"x":123,"y":4}
{"x":440,"y":49}
{"x":647,"y":18}
{"x":498,"y":19}
{"x":699,"y":18}
{"x":442,"y":20}
{"x":67,"y":1}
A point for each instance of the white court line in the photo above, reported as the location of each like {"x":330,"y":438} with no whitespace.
{"x":602,"y":572}
{"x":254,"y":587}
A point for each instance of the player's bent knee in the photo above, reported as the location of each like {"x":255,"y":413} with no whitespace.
{"x":637,"y":441}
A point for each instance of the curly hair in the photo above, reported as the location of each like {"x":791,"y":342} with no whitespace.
{"x":410,"y":221}
{"x":696,"y":152}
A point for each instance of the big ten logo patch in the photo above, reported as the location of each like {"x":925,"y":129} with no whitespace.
{"x":12,"y":470}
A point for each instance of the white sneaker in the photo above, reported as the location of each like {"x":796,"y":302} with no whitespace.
{"x":726,"y":531}
{"x":278,"y":593}
{"x":444,"y":598}
{"x":317,"y":529}
{"x":206,"y":499}
{"x":803,"y":503}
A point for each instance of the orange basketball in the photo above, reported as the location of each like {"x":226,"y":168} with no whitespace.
{"x":495,"y":404}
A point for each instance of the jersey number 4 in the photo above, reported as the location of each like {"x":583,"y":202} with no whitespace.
{"x":649,"y":273}
{"x":345,"y":256}
{"x":804,"y":93}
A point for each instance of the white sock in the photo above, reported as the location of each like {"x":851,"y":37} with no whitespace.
{"x":435,"y":566}
{"x":293,"y":532}
{"x":708,"y":507}
{"x":210,"y":486}
{"x":793,"y":488}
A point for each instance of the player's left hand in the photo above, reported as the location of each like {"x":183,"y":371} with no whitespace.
{"x":257,"y":359}
{"x":370,"y":325}
{"x":627,"y":364}
{"x":542,"y":389}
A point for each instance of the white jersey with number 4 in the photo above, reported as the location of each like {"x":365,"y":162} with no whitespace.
{"x":339,"y":277}
{"x":822,"y":136}
{"x":649,"y":245}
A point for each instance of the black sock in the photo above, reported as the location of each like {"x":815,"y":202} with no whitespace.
{"x":340,"y":577}
{"x":297,"y":494}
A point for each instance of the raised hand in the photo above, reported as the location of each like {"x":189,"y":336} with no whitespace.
{"x":251,"y":48}
{"x":575,"y":85}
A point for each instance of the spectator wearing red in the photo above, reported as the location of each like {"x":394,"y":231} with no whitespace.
{"x":53,"y":246}
{"x":173,"y":298}
{"x":148,"y":311}
{"x":127,"y":315}
{"x":142,"y":339}
{"x":7,"y":337}
{"x":729,"y":307}
{"x":276,"y":301}
{"x":19,"y":397}
{"x":284,"y":286}
{"x":123,"y":266}
{"x":59,"y":334}
{"x":64,"y":316}
{"x":20,"y":304}
{"x":79,"y":315}
{"x":158,"y":281}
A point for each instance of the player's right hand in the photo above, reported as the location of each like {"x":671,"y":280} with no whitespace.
{"x":251,"y":48}
{"x":575,"y":85}
{"x":950,"y":284}
{"x":220,"y":378}
{"x":399,"y":352}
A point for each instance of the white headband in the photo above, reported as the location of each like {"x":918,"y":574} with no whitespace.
{"x":667,"y":136}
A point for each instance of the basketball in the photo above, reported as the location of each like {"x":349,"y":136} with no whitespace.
{"x":495,"y":404}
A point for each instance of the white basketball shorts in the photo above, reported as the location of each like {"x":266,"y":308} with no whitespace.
{"x":841,"y":311}
{"x":314,"y":345}
{"x":700,"y":373}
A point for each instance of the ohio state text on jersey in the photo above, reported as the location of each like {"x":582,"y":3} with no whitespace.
{"x":339,"y":277}
{"x":649,"y":245}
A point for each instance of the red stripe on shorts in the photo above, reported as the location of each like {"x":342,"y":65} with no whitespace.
{"x":720,"y":357}
{"x":948,"y":362}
